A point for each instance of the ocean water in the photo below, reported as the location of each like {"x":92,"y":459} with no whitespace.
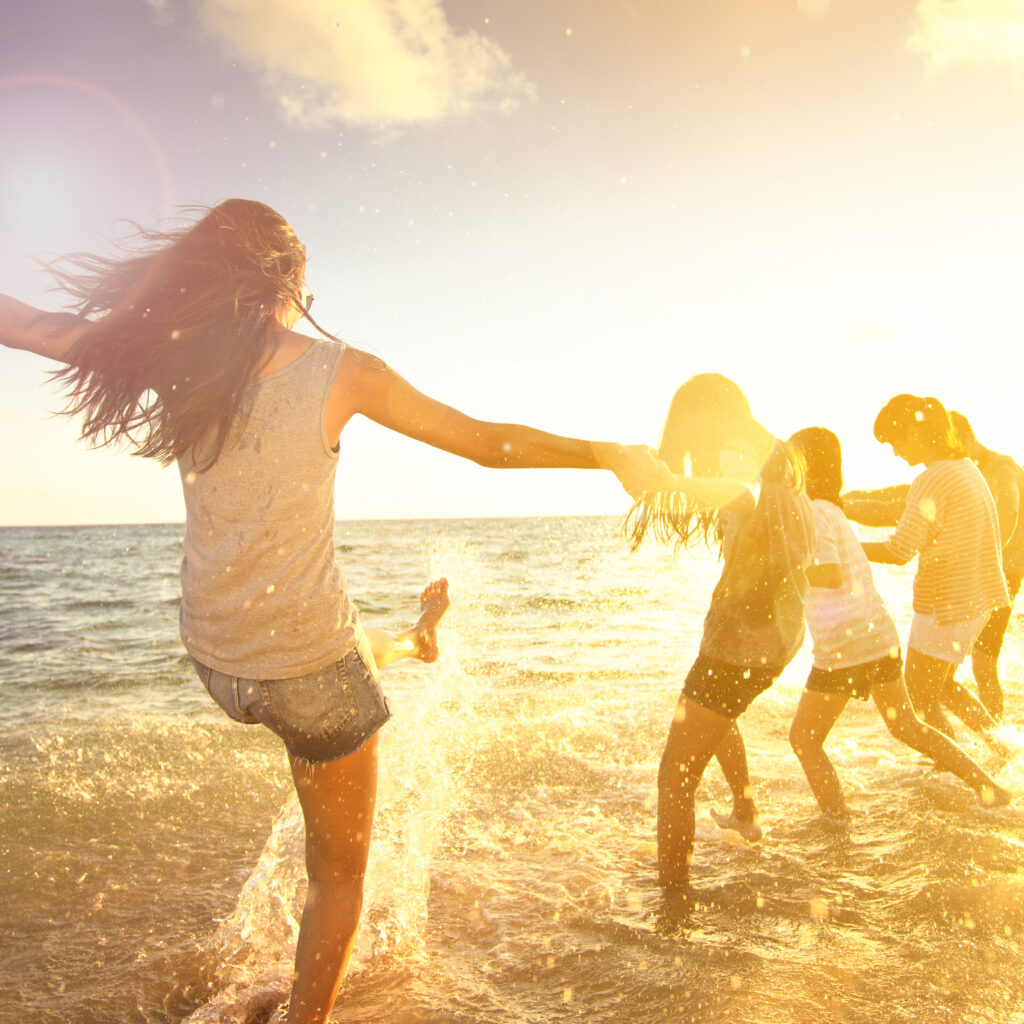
{"x":150,"y":849}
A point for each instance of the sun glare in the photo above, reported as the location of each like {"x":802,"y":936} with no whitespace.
{"x":36,"y":202}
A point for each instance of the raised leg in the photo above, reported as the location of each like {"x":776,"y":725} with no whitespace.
{"x":420,"y":641}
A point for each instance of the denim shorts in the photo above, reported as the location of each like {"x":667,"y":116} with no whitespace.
{"x":727,"y":689}
{"x":321,"y":716}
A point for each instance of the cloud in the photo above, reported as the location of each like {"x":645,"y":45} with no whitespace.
{"x":384,"y":63}
{"x":955,"y":32}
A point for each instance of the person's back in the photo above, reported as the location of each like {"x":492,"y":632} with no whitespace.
{"x":756,"y":615}
{"x":262,"y":594}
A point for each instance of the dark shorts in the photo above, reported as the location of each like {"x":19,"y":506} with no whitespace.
{"x":855,"y":680}
{"x":726,"y":689}
{"x":990,"y":639}
{"x":321,"y":716}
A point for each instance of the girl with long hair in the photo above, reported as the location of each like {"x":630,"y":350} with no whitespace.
{"x":726,"y":479}
{"x":184,"y":350}
{"x":856,"y":646}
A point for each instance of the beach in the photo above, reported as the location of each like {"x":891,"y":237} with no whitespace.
{"x":151,"y":849}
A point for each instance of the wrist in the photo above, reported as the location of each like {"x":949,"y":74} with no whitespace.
{"x":606,"y":454}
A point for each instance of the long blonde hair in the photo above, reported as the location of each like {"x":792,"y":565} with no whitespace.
{"x":178,"y":326}
{"x":706,"y":414}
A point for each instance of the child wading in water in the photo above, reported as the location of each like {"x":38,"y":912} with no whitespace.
{"x":856,"y":646}
{"x":743,"y":487}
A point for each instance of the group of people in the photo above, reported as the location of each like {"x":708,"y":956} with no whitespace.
{"x":185,"y":350}
{"x":790,"y":557}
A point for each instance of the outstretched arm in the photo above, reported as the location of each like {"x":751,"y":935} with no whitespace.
{"x":368,"y":386}
{"x":740,"y":463}
{"x":34,"y":330}
{"x":880,"y":507}
{"x":879,"y":551}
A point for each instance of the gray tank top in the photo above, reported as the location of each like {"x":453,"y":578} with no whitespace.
{"x":261,"y":594}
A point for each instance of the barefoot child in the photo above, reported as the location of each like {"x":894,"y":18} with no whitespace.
{"x":856,"y":646}
{"x":744,"y":487}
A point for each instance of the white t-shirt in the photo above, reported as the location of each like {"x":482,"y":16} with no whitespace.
{"x":849,"y":624}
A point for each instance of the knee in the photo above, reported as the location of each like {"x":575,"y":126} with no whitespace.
{"x":675,"y":775}
{"x":337,"y":859}
{"x":803,"y":741}
{"x":904,"y":726}
{"x":335,"y":871}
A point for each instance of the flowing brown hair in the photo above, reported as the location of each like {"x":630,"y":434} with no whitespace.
{"x":707,"y":413}
{"x":178,"y":326}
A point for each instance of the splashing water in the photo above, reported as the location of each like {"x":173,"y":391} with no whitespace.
{"x":418,"y":786}
{"x":512,"y":873}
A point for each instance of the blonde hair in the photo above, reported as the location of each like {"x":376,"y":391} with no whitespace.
{"x":706,"y":414}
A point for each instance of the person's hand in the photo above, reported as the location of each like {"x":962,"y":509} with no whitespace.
{"x":638,"y":468}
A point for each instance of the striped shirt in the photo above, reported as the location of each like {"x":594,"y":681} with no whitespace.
{"x":950,"y":522}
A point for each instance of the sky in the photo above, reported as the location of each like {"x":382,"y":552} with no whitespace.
{"x":542,"y":213}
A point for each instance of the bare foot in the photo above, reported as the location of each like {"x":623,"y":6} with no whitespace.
{"x":434,"y":603}
{"x":749,"y":829}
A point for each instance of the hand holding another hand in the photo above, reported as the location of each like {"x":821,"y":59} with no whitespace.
{"x":637,"y":467}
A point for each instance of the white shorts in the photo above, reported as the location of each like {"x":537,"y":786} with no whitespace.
{"x":951,"y":641}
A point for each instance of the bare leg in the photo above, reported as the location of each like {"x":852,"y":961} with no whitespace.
{"x":693,"y":737}
{"x":421,"y":640}
{"x":731,"y":754}
{"x":894,"y":706}
{"x":970,"y":711}
{"x":338,"y":800}
{"x":926,"y":679}
{"x":986,"y":675}
{"x":815,"y":715}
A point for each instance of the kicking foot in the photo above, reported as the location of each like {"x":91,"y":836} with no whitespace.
{"x":750,"y":830}
{"x":994,"y":796}
{"x":434,"y":603}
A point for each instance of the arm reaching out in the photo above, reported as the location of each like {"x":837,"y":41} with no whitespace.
{"x":47,"y":334}
{"x":740,"y":464}
{"x":879,"y":551}
{"x":881,"y":507}
{"x":367,"y":385}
